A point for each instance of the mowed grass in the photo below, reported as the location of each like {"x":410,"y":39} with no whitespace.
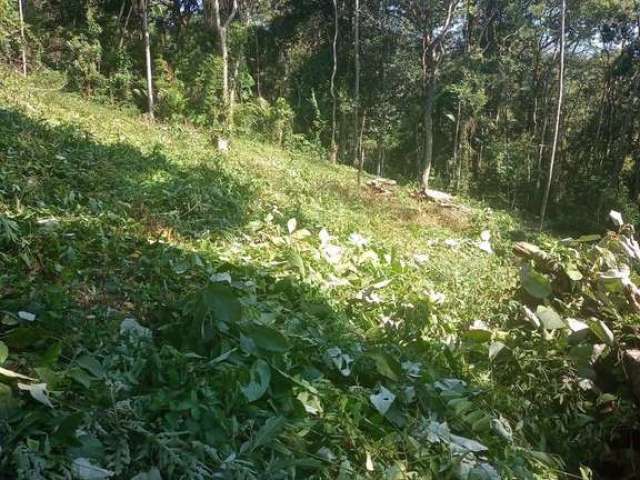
{"x":106,"y":216}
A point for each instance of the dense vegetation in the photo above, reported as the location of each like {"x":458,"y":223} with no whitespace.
{"x":469,"y":87}
{"x":172,"y":307}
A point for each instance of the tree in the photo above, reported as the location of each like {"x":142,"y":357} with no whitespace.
{"x":221,"y":28}
{"x":556,"y":134}
{"x":23,"y":42}
{"x":143,"y":6}
{"x":334,"y":107}
{"x":433,"y":50}
{"x":356,"y":87}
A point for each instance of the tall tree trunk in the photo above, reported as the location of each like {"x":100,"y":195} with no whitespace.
{"x":221,"y":29}
{"x":361,"y":158}
{"x":543,"y":136}
{"x":233,"y":92}
{"x":554,"y":148}
{"x":123,"y":29}
{"x":427,"y":149}
{"x":23,"y":42}
{"x":147,"y":52}
{"x":334,"y":145}
{"x":456,"y":145}
{"x":356,"y":93}
{"x":258,"y":73}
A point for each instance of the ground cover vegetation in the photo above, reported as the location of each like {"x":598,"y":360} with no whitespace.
{"x":200,"y":276}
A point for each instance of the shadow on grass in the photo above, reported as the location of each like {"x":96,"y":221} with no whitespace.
{"x":63,"y":171}
{"x":96,"y":264}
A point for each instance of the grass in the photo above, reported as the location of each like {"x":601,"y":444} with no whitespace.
{"x":271,"y":346}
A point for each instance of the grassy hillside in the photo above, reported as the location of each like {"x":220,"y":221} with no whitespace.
{"x":247,"y":315}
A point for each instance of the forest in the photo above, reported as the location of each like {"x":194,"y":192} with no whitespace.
{"x":325,"y":239}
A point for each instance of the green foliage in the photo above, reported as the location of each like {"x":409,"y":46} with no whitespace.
{"x":272,"y":121}
{"x":205,"y":92}
{"x":9,"y":28}
{"x":121,"y":80}
{"x":186,"y":325}
{"x":83,"y":59}
{"x":171,"y":102}
{"x":585,"y":300}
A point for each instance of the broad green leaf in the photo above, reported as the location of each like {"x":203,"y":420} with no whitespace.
{"x":495,"y":348}
{"x":259,"y":379}
{"x":386,"y":365}
{"x":614,"y":280}
{"x":573,"y":273}
{"x":310,"y":402}
{"x":588,"y":238}
{"x":80,"y":376}
{"x":219,"y":300}
{"x":296,"y":261}
{"x":459,"y":405}
{"x":536,"y":284}
{"x":153,"y":474}
{"x":478,"y":332}
{"x":600,"y":330}
{"x":581,"y":354}
{"x":91,"y":365}
{"x":606,"y":398}
{"x":268,"y":432}
{"x":267,"y":338}
{"x":549,"y":318}
{"x":4,"y":352}
{"x":482,"y":424}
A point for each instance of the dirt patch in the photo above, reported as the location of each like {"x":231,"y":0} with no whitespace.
{"x":405,"y":210}
{"x":434,"y":215}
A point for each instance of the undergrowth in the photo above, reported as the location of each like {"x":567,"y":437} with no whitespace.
{"x":186,"y":314}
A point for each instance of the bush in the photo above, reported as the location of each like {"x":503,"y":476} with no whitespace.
{"x":205,"y":92}
{"x":272,"y":122}
{"x":171,"y":102}
{"x":83,"y":59}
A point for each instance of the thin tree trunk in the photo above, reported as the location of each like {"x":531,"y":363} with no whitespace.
{"x":380,"y":168}
{"x":427,"y":150}
{"x":361,"y":158}
{"x":221,"y":29}
{"x":545,"y":199}
{"x":147,"y":52}
{"x":334,"y":145}
{"x":123,"y":30}
{"x":462,"y":156}
{"x":456,"y":141}
{"x":543,"y":135}
{"x":23,"y":42}
{"x":258,"y":74}
{"x":356,"y":93}
{"x":233,"y":94}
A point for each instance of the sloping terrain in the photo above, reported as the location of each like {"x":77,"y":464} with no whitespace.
{"x":247,"y":315}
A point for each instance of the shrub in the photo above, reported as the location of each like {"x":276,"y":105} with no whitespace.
{"x":169,"y":91}
{"x":272,"y":122}
{"x":84,"y":57}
